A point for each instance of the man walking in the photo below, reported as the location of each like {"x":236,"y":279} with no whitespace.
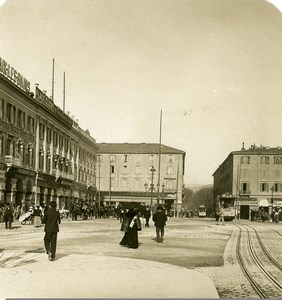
{"x":221,"y":216}
{"x":8,"y":216}
{"x":160,"y":218}
{"x":51,"y":219}
{"x":147,"y":215}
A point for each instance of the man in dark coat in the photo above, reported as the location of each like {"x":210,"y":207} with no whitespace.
{"x":51,"y":219}
{"x":160,"y":218}
{"x":147,"y":215}
{"x":8,"y":216}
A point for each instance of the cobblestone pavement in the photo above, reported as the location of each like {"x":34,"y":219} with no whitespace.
{"x":229,"y":279}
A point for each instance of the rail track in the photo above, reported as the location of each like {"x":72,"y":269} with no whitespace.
{"x":262,"y":269}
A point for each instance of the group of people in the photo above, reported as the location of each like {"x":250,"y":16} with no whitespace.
{"x":131,"y":224}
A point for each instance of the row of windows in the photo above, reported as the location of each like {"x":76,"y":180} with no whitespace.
{"x":169,"y":170}
{"x":138,"y":184}
{"x":137,"y":157}
{"x":17,"y":117}
{"x":13,"y":115}
{"x":277,"y":160}
{"x":264,"y":187}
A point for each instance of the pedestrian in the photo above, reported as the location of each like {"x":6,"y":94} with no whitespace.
{"x":160,"y":218}
{"x":147,"y":215}
{"x":37,"y":214}
{"x":51,"y":219}
{"x":221,"y":216}
{"x":8,"y":216}
{"x":130,"y":238}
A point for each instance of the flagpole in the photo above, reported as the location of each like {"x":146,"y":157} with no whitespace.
{"x":53,"y":76}
{"x":159,"y":167}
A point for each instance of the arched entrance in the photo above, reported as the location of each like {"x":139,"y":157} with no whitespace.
{"x":8,"y":191}
{"x":19,"y":193}
{"x":28,"y":193}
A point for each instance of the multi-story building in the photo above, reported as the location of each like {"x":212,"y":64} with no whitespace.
{"x":251,"y":175}
{"x":140,"y":172}
{"x":44,"y":154}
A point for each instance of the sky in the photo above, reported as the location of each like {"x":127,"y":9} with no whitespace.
{"x":213,"y":67}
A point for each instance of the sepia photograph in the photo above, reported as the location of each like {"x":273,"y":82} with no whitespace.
{"x":140,"y":149}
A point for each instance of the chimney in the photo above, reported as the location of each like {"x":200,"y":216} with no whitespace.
{"x":243,"y":146}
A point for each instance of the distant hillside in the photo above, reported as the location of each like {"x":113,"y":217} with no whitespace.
{"x":197,"y":187}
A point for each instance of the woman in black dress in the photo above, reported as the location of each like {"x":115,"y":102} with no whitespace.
{"x":129,"y":226}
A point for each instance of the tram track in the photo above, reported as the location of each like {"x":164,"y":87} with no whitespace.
{"x":258,"y":265}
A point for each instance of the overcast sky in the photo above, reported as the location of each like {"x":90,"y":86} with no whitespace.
{"x":214,"y":67}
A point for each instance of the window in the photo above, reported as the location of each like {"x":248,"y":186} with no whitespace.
{"x":124,"y":183}
{"x":245,"y":187}
{"x":41,"y":131}
{"x":19,"y":119}
{"x":9,"y":112}
{"x":125,"y":158}
{"x":137,"y":170}
{"x":264,"y":187}
{"x":277,"y":160}
{"x":2,"y":109}
{"x":55,"y":139}
{"x":137,"y":183}
{"x":169,"y":170}
{"x":151,"y":158}
{"x":264,"y":160}
{"x":112,"y":158}
{"x":245,"y":160}
{"x":112,"y":169}
{"x":277,"y":187}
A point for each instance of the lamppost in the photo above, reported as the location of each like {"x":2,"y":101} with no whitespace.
{"x":152,"y":170}
{"x":271,"y":201}
{"x":99,"y":181}
{"x":163,"y":186}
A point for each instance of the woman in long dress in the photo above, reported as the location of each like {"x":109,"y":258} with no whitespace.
{"x":129,"y":226}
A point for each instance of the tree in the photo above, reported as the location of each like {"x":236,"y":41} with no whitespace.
{"x":204,"y":197}
{"x":187,"y":198}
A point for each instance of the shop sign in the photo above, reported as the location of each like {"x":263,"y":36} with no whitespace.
{"x":43,"y":98}
{"x":14,"y":76}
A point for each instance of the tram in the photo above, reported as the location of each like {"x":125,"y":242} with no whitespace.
{"x":227,"y":202}
{"x":202,"y":211}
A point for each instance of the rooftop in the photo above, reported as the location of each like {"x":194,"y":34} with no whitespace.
{"x":136,"y":148}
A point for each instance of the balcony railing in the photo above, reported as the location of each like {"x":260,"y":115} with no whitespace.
{"x":61,"y":174}
{"x":245,"y":192}
{"x":13,"y":161}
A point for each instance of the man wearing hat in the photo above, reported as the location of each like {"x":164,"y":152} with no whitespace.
{"x":160,"y":218}
{"x":51,"y":219}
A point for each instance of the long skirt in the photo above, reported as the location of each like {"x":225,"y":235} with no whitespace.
{"x":37,"y":221}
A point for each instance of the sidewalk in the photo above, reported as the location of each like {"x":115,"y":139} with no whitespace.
{"x":32,"y":275}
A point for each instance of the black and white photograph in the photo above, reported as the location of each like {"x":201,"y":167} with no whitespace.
{"x":140,"y":149}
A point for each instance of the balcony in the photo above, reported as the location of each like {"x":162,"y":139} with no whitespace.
{"x":13,"y":161}
{"x":245,"y":193}
{"x":59,"y":174}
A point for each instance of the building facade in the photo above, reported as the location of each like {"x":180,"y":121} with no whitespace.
{"x":44,"y":154}
{"x":141,"y":172}
{"x":251,"y":175}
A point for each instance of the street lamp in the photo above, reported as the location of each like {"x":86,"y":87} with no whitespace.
{"x":152,"y":170}
{"x":271,"y":201}
{"x":99,"y":181}
{"x":163,"y":186}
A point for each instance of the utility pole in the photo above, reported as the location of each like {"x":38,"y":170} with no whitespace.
{"x":159,"y":167}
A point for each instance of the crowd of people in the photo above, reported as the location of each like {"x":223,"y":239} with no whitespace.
{"x":262,"y":214}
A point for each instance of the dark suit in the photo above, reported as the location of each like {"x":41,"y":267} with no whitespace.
{"x":8,"y":217}
{"x":51,"y":220}
{"x":160,"y":219}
